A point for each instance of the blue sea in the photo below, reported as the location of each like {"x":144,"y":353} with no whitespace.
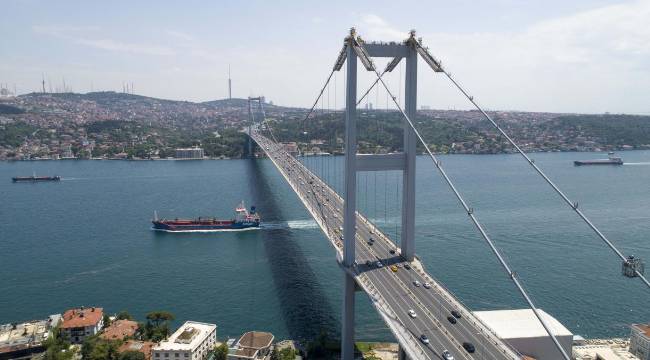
{"x":87,"y":240}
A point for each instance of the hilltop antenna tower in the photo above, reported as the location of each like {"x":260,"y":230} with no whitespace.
{"x":229,"y":85}
{"x":43,"y":83}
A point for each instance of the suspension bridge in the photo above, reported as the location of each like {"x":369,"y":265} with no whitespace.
{"x":425,"y":317}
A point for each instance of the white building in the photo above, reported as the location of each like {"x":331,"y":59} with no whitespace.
{"x":190,"y":153}
{"x":191,"y":341}
{"x":523,"y":331}
{"x":640,"y":341}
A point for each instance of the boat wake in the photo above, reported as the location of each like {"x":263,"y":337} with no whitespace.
{"x":637,"y":163}
{"x":293,"y":224}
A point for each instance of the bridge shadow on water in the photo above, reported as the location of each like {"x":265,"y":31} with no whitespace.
{"x":305,"y":306}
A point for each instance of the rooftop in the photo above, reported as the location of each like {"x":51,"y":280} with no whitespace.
{"x":27,"y":334}
{"x":256,"y":340}
{"x":119,"y":329}
{"x":186,"y":337}
{"x":520,"y":323}
{"x":644,"y":328}
{"x":82,"y":317}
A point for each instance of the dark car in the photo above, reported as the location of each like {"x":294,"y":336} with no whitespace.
{"x":456,"y":314}
{"x":451,"y":319}
{"x":469,"y":347}
{"x":368,"y":263}
{"x":392,"y":251}
{"x":370,"y":243}
{"x":407,"y":266}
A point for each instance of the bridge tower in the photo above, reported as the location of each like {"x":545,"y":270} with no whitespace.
{"x":354,"y":162}
{"x":251,"y":120}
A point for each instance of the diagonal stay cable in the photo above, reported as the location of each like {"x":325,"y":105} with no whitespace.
{"x":573,"y":205}
{"x":470,"y":213}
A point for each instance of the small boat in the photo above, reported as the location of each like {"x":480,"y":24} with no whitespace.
{"x":611,"y":160}
{"x":243,"y":220}
{"x":35,"y":178}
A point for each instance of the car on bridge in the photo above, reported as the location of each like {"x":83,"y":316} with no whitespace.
{"x":469,"y":347}
{"x":452,"y":319}
{"x":393,"y":268}
{"x":447,"y":355}
{"x":424,"y":339}
{"x":412,"y":313}
{"x":416,"y":283}
{"x":456,"y":314}
{"x":379,"y":264}
{"x":426,"y":285}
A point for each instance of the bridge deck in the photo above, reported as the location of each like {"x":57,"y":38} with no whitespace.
{"x":393,"y":293}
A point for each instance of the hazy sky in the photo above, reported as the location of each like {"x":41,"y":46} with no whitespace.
{"x":536,"y":55}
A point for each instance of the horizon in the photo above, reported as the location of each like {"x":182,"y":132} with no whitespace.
{"x":340,"y":109}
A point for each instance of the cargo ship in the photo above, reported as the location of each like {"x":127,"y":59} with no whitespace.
{"x":611,"y":160}
{"x":244,"y":220}
{"x":35,"y":178}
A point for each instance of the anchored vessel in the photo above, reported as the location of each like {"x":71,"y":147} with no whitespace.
{"x":35,"y":178}
{"x":244,"y":219}
{"x":611,"y":160}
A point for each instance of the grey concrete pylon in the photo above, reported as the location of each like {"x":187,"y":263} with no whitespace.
{"x":410,"y":146}
{"x":349,"y":206}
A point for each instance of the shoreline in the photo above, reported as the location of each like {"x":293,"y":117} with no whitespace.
{"x":315,"y":155}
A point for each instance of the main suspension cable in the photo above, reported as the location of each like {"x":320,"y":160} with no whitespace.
{"x":573,"y":205}
{"x":470,"y":213}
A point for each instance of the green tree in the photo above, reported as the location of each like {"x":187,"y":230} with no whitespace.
{"x":221,"y":352}
{"x":157,"y":326}
{"x":159,"y":317}
{"x":123,"y":315}
{"x":107,"y":320}
{"x":286,"y":353}
{"x":95,"y":348}
{"x":57,"y":347}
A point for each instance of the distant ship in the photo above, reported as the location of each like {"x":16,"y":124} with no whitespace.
{"x":243,"y":220}
{"x":35,"y":178}
{"x":611,"y":160}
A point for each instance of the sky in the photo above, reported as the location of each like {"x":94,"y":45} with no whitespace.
{"x":587,"y":56}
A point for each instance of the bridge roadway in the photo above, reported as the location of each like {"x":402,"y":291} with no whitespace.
{"x":393,"y":293}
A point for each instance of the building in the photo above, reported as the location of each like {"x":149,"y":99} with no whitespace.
{"x":522,"y":330}
{"x":602,"y":349}
{"x":252,"y":345}
{"x":192,"y":341}
{"x":291,"y":148}
{"x":139,"y":346}
{"x":82,"y":322}
{"x":21,"y":341}
{"x":192,"y":153}
{"x":640,"y":341}
{"x":119,"y":329}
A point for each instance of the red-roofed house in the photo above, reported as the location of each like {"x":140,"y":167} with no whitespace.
{"x":82,"y":322}
{"x":119,"y":329}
